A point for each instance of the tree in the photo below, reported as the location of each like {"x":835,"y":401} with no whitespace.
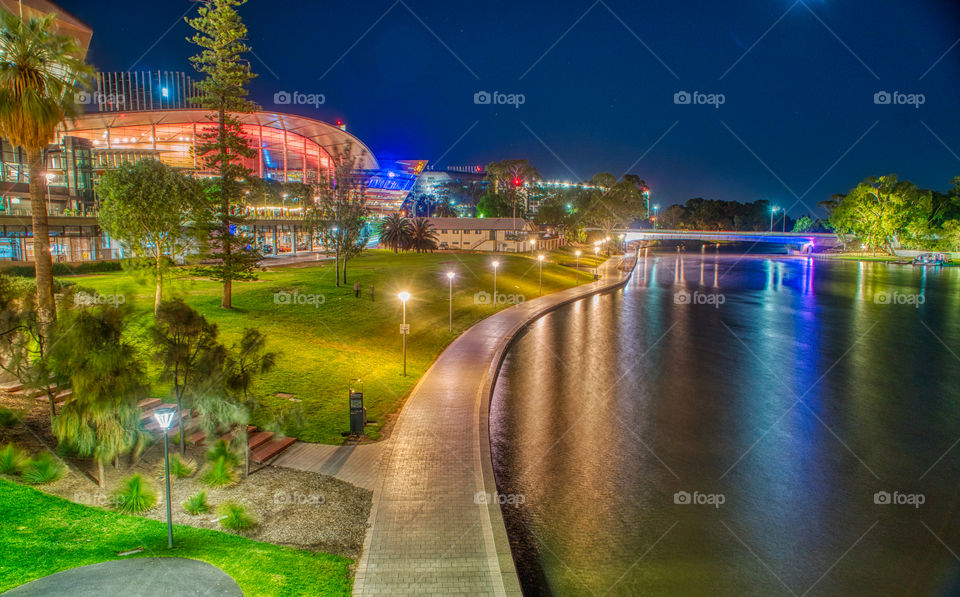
{"x":881,"y":210}
{"x":423,"y":237}
{"x":443,"y":209}
{"x":227,"y":251}
{"x":395,"y":232}
{"x":245,"y":361}
{"x":509,"y":178}
{"x":148,"y":207}
{"x":613,"y":204}
{"x":100,"y":418}
{"x":187,"y":346}
{"x":342,"y":211}
{"x":40,"y":71}
{"x":494,"y":205}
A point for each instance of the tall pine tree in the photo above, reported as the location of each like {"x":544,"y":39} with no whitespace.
{"x":227,"y":250}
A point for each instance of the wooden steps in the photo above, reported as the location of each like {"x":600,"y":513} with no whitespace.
{"x":258,"y":439}
{"x":11,"y":387}
{"x":58,"y":399}
{"x":271,"y":449}
{"x":149,"y":403}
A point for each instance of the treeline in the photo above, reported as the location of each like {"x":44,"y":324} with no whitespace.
{"x":714,"y":214}
{"x":885,"y":213}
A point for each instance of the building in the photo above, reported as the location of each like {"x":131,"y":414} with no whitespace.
{"x":502,"y":235}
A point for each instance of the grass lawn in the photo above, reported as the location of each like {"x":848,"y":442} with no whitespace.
{"x":41,"y":534}
{"x":330,"y":341}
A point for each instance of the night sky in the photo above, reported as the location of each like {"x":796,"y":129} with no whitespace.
{"x":798,"y":123}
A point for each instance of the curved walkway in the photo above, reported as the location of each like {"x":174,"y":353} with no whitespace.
{"x":136,"y":577}
{"x":432,"y":530}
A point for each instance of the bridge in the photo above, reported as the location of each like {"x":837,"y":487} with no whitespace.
{"x":805,"y":241}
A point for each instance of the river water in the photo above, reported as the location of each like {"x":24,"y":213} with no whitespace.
{"x":738,"y":425}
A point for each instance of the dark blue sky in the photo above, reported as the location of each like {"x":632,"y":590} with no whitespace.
{"x":798,"y":123}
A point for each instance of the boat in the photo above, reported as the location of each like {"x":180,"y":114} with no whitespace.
{"x":934,"y":259}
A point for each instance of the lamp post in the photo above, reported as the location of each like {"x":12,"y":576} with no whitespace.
{"x":772,"y":211}
{"x":164,"y":417}
{"x":533,"y":245}
{"x":404,"y":330}
{"x":578,"y":266}
{"x":540,"y":275}
{"x":784,"y":221}
{"x":596,"y":254}
{"x":450,"y":276}
{"x":655,"y":208}
{"x":495,"y":265}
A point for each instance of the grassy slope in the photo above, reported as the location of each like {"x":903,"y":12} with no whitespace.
{"x":345,"y":338}
{"x":42,"y":534}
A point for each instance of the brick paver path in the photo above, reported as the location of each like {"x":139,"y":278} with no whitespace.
{"x":430,"y":534}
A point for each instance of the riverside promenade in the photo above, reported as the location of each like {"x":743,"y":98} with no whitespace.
{"x":434,"y":530}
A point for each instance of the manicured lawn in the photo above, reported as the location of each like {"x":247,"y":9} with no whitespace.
{"x":41,"y":534}
{"x":327,"y":342}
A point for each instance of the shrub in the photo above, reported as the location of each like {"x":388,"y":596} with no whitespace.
{"x":43,"y":469}
{"x":197,"y":503}
{"x":12,"y":460}
{"x":235,"y":517}
{"x":8,"y":417}
{"x":134,"y":496}
{"x":221,"y":473}
{"x":181,"y":468}
{"x":222,"y":450}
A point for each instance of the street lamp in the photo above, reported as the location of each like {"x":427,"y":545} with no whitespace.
{"x":772,"y":211}
{"x":495,"y":265}
{"x":655,"y":208}
{"x":450,"y":276}
{"x":540,"y":273}
{"x":578,"y":266}
{"x":164,"y":417}
{"x":404,"y":330}
{"x":533,"y":245}
{"x":596,"y":255}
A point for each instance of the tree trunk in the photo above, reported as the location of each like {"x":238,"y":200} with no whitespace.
{"x":344,"y":269}
{"x":336,"y":264}
{"x":42,"y":263}
{"x":183,"y":446}
{"x":101,"y":480}
{"x":159,"y":292}
{"x":226,"y":300}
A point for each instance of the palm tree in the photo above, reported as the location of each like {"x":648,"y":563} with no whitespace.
{"x":395,"y":232}
{"x":40,"y":71}
{"x":422,"y":236}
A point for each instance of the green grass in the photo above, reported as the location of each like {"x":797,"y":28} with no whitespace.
{"x":324,"y":347}
{"x":41,"y":534}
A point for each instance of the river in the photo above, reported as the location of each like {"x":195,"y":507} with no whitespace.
{"x":734,"y":424}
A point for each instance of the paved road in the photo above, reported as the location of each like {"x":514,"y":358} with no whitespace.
{"x":135,"y":577}
{"x":430,"y":533}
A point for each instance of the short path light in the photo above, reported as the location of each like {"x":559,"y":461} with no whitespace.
{"x":164,"y":417}
{"x":540,"y":273}
{"x":404,"y":329}
{"x":450,"y":276}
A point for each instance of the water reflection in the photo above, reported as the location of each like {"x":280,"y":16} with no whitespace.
{"x":797,"y":399}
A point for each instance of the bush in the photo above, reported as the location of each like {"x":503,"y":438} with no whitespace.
{"x":43,"y":469}
{"x":197,"y":504}
{"x":181,"y":468}
{"x":12,"y":460}
{"x":222,"y":450}
{"x":134,"y":496}
{"x":221,"y":473}
{"x":235,"y":517}
{"x":8,"y":417}
{"x":67,"y":269}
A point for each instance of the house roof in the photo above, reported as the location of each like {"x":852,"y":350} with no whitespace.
{"x":481,"y":224}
